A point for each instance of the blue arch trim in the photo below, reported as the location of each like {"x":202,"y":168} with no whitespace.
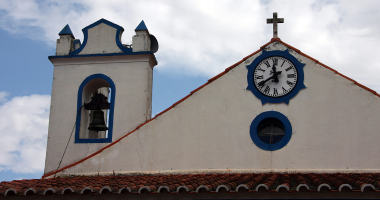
{"x":285,"y":99}
{"x":111,"y":111}
{"x":271,"y":147}
{"x":119,"y":31}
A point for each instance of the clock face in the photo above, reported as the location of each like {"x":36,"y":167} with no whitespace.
{"x":275,"y":76}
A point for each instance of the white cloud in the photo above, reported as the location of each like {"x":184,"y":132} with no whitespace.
{"x":3,"y":96}
{"x":23,"y":132}
{"x":202,"y":38}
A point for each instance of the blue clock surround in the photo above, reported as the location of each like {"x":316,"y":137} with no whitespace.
{"x":284,"y":99}
{"x":271,"y":114}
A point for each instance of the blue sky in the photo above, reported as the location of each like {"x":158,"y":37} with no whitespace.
{"x":198,"y":39}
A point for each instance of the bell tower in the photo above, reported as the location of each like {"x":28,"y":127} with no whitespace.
{"x":102,"y":89}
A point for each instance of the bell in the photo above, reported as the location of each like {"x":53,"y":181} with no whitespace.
{"x":98,"y":123}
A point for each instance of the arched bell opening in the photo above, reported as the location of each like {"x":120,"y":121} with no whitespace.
{"x":97,"y":112}
{"x":96,"y":97}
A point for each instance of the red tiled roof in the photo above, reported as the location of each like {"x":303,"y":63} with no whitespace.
{"x":195,"y":183}
{"x":209,"y":81}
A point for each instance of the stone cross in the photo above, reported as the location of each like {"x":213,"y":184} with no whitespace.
{"x":274,"y":21}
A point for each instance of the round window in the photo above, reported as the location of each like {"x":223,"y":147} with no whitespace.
{"x":271,"y":130}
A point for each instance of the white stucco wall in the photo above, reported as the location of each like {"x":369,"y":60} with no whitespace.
{"x":101,"y":40}
{"x":141,"y":41}
{"x":335,"y":127}
{"x":64,"y":45}
{"x":132,"y":76}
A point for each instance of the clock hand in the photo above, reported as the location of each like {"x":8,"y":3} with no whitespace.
{"x":275,"y":79}
{"x":264,"y":81}
{"x":272,"y":77}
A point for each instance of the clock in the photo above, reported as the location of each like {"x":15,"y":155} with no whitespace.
{"x":275,"y":77}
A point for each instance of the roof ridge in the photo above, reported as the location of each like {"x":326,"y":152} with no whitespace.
{"x":323,"y":65}
{"x":200,"y":87}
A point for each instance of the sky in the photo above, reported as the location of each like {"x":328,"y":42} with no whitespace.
{"x":197,"y":40}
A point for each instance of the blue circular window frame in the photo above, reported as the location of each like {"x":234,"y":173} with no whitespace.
{"x":271,"y":114}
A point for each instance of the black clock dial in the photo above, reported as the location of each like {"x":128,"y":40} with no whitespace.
{"x":275,"y":76}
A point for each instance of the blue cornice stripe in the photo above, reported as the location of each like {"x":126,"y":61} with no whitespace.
{"x":108,"y":54}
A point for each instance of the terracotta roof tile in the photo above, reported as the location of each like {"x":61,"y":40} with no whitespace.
{"x":194,"y":183}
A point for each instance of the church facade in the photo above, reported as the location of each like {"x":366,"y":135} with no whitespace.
{"x":277,"y":124}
